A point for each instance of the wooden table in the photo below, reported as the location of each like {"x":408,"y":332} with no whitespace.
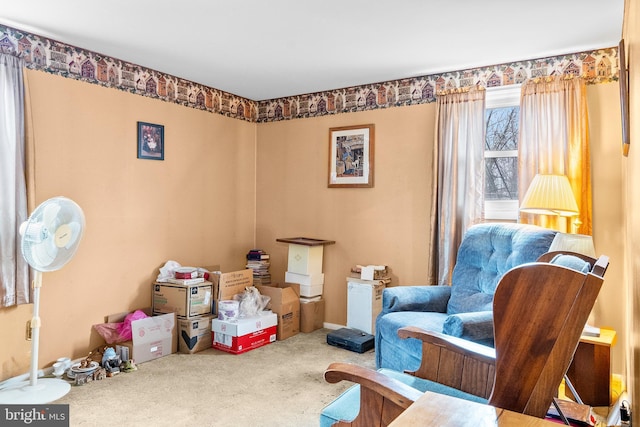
{"x":590,"y":370}
{"x":306,"y":241}
{"x":446,"y":411}
{"x":305,"y":257}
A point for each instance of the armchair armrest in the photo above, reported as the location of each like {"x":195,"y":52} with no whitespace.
{"x":475,"y":326}
{"x":415,"y":298}
{"x":382,"y":398}
{"x":461,"y":364}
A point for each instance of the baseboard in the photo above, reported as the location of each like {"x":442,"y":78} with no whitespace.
{"x":332,"y":326}
{"x":25,"y":377}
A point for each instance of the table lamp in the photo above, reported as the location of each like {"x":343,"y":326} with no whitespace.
{"x":550,"y":195}
{"x":582,"y":244}
{"x":579,"y":243}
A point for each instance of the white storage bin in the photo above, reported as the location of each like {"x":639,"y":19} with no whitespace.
{"x":305,"y":259}
{"x":311,"y":285}
{"x":364,"y":303}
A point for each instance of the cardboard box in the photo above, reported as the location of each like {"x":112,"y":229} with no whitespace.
{"x":311,"y":315}
{"x":244,"y":334}
{"x":311,"y":285}
{"x":364,"y":303}
{"x":370,"y":272}
{"x":311,"y":290}
{"x":304,"y":279}
{"x":213,"y":267}
{"x":305,"y":259}
{"x":367,"y":272}
{"x":153,"y":337}
{"x":194,"y":334}
{"x":226,"y":285}
{"x":285,"y":302}
{"x":184,"y":300}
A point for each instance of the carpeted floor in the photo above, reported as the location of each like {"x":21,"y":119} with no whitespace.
{"x":280,"y":384}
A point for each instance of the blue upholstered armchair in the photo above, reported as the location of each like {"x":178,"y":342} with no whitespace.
{"x":463,"y":310}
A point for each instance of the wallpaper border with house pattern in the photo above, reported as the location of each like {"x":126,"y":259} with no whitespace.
{"x":41,"y":53}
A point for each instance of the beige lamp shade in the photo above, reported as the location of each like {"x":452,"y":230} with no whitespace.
{"x":579,"y":243}
{"x":550,"y":195}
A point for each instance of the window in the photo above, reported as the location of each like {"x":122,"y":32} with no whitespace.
{"x":502,"y":116}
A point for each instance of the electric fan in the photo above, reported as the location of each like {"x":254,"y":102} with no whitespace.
{"x":49,"y":239}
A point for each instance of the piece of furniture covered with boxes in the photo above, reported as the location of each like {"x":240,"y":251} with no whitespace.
{"x":534,"y":346}
{"x":462,"y":310}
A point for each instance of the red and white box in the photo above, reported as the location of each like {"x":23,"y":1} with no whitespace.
{"x":185,"y":273}
{"x":244,"y":334}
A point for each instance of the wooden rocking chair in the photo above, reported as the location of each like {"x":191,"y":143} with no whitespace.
{"x":539,"y":310}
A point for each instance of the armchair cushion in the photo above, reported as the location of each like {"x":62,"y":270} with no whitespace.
{"x":475,"y":326}
{"x":398,"y":354}
{"x":572,"y":262}
{"x":486,"y":253}
{"x":416,"y":298}
{"x":347,"y":405}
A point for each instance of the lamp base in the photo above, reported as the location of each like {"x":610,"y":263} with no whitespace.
{"x":46,"y":390}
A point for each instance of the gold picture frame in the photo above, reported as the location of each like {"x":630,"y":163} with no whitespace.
{"x":351,"y":154}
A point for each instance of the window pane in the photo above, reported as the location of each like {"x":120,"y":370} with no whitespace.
{"x":501,"y":181}
{"x":502,"y":128}
{"x":501,"y":178}
{"x":502,"y":116}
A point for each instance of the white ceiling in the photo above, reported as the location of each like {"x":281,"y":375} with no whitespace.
{"x":265,"y":49}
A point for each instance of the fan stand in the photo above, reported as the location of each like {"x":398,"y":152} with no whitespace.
{"x":35,"y":391}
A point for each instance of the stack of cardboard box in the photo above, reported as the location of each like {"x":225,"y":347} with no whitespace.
{"x":240,"y":335}
{"x":305,"y":268}
{"x":194,"y":302}
{"x":191,"y":300}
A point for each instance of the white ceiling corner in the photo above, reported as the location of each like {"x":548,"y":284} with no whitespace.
{"x":270,"y":49}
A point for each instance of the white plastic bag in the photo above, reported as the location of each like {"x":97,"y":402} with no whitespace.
{"x":251,"y":301}
{"x":167,"y":271}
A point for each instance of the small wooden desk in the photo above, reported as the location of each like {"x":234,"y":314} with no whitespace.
{"x":447,"y":411}
{"x":590,"y":370}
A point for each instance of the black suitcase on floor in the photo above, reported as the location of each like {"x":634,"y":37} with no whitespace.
{"x":351,"y":339}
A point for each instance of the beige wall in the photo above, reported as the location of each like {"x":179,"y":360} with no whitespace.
{"x":631,"y":296}
{"x":608,"y":217}
{"x":215,"y":190}
{"x":196,"y":207}
{"x":386,"y":224}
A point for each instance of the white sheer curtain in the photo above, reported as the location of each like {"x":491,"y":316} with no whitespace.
{"x":14,"y":271}
{"x":458,"y":180}
{"x":554,"y":139}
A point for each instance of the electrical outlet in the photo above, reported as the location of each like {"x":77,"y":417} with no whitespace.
{"x":625,"y":414}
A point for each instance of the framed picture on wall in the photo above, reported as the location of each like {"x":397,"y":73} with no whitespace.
{"x":351,"y":150}
{"x":150,"y":141}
